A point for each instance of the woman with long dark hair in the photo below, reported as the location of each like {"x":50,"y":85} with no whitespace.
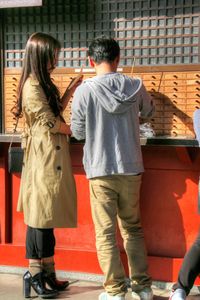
{"x":47,"y":195}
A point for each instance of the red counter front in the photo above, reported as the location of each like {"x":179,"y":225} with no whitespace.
{"x":168,"y":208}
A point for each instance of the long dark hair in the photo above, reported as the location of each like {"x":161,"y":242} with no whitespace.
{"x":39,"y":54}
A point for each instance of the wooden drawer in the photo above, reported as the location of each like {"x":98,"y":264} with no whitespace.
{"x":193,"y":75}
{"x":172,"y":89}
{"x":11,"y":85}
{"x":178,"y":101}
{"x":194,"y":82}
{"x":173,"y":83}
{"x":179,"y":126}
{"x":151,"y":84}
{"x":157,"y":119}
{"x":176,"y":95}
{"x":174,"y":75}
{"x":193,"y":88}
{"x":191,"y":95}
{"x":192,"y":106}
{"x":175,"y":132}
{"x":11,"y":78}
{"x":173,"y":107}
{"x":150,"y":77}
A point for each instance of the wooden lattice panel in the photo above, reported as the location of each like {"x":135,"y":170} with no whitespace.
{"x":154,"y":32}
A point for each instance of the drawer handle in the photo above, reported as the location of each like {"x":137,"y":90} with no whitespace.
{"x":174,"y":133}
{"x":175,"y":82}
{"x":198,"y":75}
{"x":198,"y":95}
{"x":175,"y":89}
{"x":175,"y":76}
{"x":175,"y":95}
{"x":154,"y":77}
{"x":14,"y":78}
{"x":197,"y":81}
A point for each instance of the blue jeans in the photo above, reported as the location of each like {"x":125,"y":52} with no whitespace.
{"x":190,"y":268}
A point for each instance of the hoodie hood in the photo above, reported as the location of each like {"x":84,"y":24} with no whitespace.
{"x":115,"y":92}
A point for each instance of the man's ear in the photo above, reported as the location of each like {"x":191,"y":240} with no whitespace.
{"x":91,"y":62}
{"x":117,"y":59}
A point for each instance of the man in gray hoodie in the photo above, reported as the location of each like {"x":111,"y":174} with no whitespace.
{"x":105,"y":112}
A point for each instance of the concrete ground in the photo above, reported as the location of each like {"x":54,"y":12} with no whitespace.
{"x":82,"y":286}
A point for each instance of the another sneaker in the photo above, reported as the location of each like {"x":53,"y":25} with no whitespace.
{"x":178,"y":294}
{"x":106,"y":296}
{"x":145,"y":294}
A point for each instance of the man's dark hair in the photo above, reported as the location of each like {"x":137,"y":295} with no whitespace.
{"x":103,"y":49}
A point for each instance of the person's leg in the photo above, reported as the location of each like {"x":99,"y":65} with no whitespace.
{"x":103,"y":197}
{"x":40,"y":244}
{"x":45,"y":245}
{"x":189,"y":270}
{"x":132,"y":233}
{"x":48,"y":265}
{"x":35,"y":277}
{"x":31,"y":251}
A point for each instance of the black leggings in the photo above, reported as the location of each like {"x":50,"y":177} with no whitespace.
{"x":190,"y":268}
{"x":40,"y":243}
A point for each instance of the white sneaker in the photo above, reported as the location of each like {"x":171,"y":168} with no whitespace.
{"x":178,"y":294}
{"x":145,"y":294}
{"x":106,"y":296}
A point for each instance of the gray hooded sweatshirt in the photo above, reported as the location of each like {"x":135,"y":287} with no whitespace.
{"x":105,"y":112}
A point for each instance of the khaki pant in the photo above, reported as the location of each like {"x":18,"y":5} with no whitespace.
{"x":116,"y":198}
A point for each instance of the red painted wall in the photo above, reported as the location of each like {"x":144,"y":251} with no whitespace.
{"x":168,"y":209}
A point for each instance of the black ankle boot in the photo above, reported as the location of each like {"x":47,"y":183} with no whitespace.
{"x":37,"y":282}
{"x":54,"y":283}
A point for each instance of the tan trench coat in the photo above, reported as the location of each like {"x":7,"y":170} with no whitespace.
{"x":47,"y":191}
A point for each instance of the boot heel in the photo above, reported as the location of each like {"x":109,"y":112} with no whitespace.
{"x":37,"y":283}
{"x":26,"y":287}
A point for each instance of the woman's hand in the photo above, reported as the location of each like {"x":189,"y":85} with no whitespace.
{"x":75,"y":82}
